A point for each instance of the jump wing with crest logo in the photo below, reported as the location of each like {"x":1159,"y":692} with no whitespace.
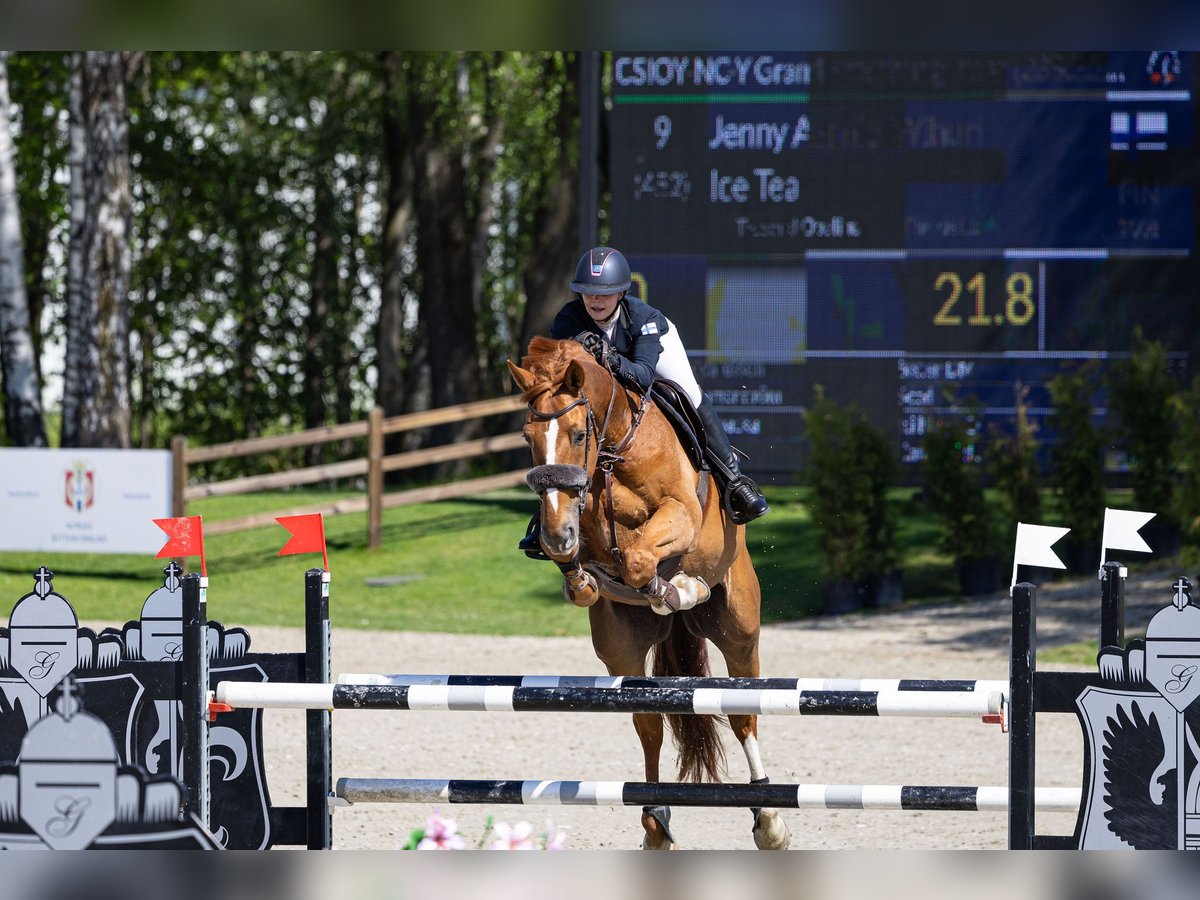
{"x":1138,"y":768}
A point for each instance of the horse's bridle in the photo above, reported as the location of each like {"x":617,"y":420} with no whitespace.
{"x":589,"y":427}
{"x":607,"y":457}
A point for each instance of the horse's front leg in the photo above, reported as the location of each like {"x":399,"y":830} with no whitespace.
{"x":670,"y":531}
{"x":579,"y":587}
{"x":656,"y":820}
{"x":622,"y":637}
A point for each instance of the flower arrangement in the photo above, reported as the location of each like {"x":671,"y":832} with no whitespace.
{"x":441,"y":833}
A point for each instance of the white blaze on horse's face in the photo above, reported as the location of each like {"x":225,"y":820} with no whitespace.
{"x":558,"y":435}
{"x":551,"y":495}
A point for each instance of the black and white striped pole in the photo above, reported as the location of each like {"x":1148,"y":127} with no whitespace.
{"x":351,"y":791}
{"x":699,"y":701}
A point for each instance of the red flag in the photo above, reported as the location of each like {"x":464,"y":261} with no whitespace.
{"x":307,"y":535}
{"x":185,"y":537}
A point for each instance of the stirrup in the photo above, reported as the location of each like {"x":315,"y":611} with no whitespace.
{"x":737,"y":515}
{"x":531,"y":546}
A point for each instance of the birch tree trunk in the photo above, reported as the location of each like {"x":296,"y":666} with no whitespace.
{"x":22,"y":390}
{"x":104,"y":409}
{"x":79,"y":334}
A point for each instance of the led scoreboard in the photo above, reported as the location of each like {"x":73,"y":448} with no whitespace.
{"x":912,"y":232}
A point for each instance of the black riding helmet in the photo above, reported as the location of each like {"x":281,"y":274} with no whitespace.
{"x":601,"y":271}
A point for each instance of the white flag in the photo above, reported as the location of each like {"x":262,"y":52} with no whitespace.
{"x":1034,"y":543}
{"x":1121,"y":530}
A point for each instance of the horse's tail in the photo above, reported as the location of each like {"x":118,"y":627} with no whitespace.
{"x":701,"y":753}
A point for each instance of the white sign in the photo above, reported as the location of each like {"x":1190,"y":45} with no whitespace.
{"x":84,"y":501}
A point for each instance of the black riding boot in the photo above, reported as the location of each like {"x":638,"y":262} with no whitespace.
{"x":531,"y":544}
{"x":741,"y":496}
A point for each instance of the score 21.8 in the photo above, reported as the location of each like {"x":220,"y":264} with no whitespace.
{"x":968,"y":302}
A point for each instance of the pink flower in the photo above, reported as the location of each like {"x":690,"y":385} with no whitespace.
{"x":555,"y":840}
{"x":441,"y":834}
{"x":513,"y":837}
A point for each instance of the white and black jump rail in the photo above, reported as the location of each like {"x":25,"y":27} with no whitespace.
{"x":1012,"y":704}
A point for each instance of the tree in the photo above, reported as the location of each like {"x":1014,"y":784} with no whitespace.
{"x":1077,"y":462}
{"x":39,"y":96}
{"x":278,"y":241}
{"x":1141,"y":389}
{"x":22,"y":387}
{"x":1013,"y":461}
{"x":553,"y":203}
{"x":76,"y":374}
{"x":452,"y":107}
{"x":399,"y":354}
{"x":98,"y":338}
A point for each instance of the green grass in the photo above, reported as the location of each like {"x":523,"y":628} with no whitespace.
{"x":1080,"y":655}
{"x":456,"y":564}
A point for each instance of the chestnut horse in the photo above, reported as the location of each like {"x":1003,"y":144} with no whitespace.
{"x":646,"y":546}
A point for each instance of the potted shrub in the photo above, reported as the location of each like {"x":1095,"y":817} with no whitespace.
{"x":1187,"y":497}
{"x":955,"y":493}
{"x":1077,"y":466}
{"x":849,"y":466}
{"x":871,"y":452}
{"x":1012,"y":461}
{"x":1141,"y":391}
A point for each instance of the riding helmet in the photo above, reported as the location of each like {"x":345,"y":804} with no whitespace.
{"x":601,"y":271}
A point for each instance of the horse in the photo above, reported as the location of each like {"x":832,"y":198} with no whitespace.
{"x":645,"y":544}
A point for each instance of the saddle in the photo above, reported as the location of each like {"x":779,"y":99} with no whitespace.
{"x":675,"y":405}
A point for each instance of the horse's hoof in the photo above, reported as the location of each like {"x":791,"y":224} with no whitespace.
{"x":656,"y":820}
{"x":770,"y":831}
{"x":664,"y":845}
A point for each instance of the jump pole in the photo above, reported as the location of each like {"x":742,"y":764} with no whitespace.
{"x":351,"y":791}
{"x":685,"y":681}
{"x":701,"y":701}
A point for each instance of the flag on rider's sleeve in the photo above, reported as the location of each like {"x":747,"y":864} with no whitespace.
{"x":1034,"y":543}
{"x":1121,"y":528}
{"x":185,"y":537}
{"x":307,"y":535}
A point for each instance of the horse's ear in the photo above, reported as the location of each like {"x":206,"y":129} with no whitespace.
{"x":573,"y":379}
{"x":521,"y":378}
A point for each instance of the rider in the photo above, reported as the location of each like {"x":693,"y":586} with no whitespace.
{"x":638,"y":342}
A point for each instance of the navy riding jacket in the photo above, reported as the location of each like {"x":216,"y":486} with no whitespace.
{"x":635,"y":339}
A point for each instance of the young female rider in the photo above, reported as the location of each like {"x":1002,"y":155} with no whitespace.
{"x":638,"y":342}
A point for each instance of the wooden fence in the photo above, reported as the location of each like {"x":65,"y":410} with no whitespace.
{"x":373,"y":466}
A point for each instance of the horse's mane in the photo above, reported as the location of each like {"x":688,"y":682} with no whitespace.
{"x":548,"y":359}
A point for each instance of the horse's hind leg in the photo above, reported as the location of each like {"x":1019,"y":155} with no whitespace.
{"x":736,"y":634}
{"x":770,"y":831}
{"x":622,"y":637}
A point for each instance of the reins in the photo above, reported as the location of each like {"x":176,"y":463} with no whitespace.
{"x":608,"y":458}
